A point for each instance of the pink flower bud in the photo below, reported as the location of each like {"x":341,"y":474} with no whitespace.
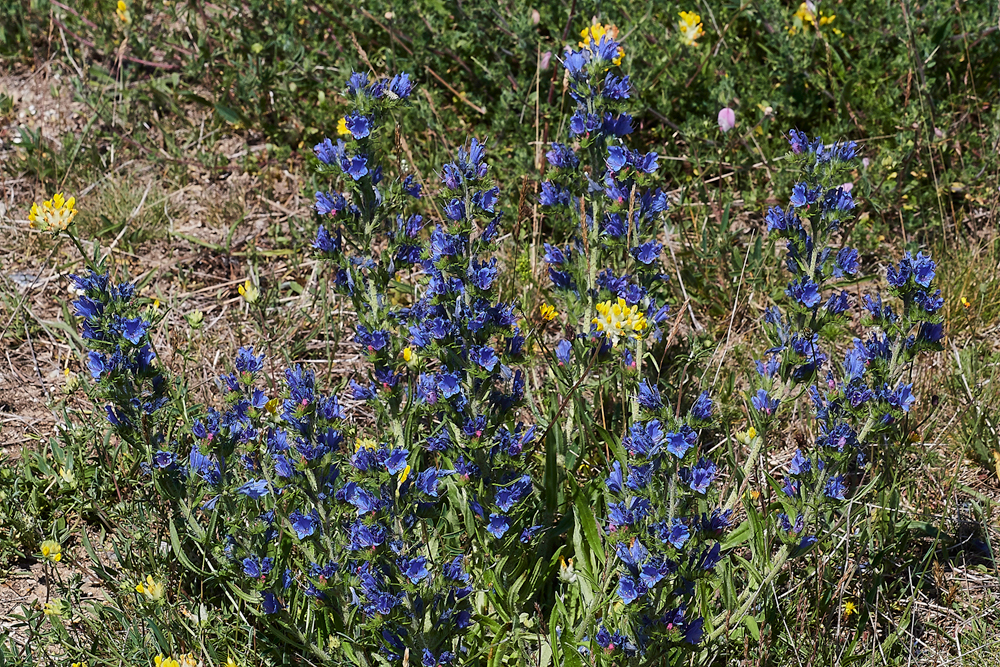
{"x":727,"y":119}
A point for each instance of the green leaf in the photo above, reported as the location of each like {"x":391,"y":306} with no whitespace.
{"x":589,"y":524}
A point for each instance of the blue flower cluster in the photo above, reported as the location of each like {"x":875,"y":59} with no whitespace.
{"x":316,"y":515}
{"x":603,"y":191}
{"x":659,"y":527}
{"x":860,"y":405}
{"x":121,"y":358}
{"x":444,"y":383}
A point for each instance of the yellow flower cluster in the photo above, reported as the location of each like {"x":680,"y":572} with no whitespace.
{"x":806,"y":16}
{"x":342,"y":127}
{"x":249,"y":291}
{"x":54,"y":608}
{"x":594,"y":34}
{"x":690,"y":28}
{"x":123,"y":14}
{"x":54,"y":215}
{"x":365,"y":443}
{"x":51,"y":551}
{"x":548,"y":312}
{"x":619,"y":320}
{"x":183,"y":660}
{"x":152,"y":589}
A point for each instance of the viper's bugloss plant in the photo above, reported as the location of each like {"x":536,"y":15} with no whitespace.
{"x":397,"y":536}
{"x":860,"y":404}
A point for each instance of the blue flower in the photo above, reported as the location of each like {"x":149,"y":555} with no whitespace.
{"x":648,"y":252}
{"x":575,"y":63}
{"x":645,"y":163}
{"x":553,"y":194}
{"x":562,"y":156}
{"x":270,"y":603}
{"x":838,"y":304}
{"x":246,"y":362}
{"x":414,"y":569}
{"x":616,"y":88}
{"x":805,"y":291}
{"x":357,"y":167}
{"x":847,"y":262}
{"x":132,"y":329}
{"x":96,"y":364}
{"x":365,"y":537}
{"x":764,"y":403}
{"x":553,"y":254}
{"x":802,"y":195}
{"x":923,"y":269}
{"x":902,"y":397}
{"x":931,"y":303}
{"x":205,"y":467}
{"x":254,"y":489}
{"x":638,"y":476}
{"x":629,"y":589}
{"x":357,"y":82}
{"x":649,"y":396}
{"x":799,"y":464}
{"x":330,"y":204}
{"x":455,"y":210}
{"x":328,"y":152}
{"x":304,"y":525}
{"x":401,"y":86}
{"x":486,"y":199}
{"x":838,"y":199}
{"x":617,"y":158}
{"x":498,"y":525}
{"x":835,"y":488}
{"x":358,"y":125}
{"x":702,"y":408}
{"x":702,"y":475}
{"x":482,"y":275}
{"x":485,"y":357}
{"x":412,"y":188}
{"x":678,"y":443}
{"x":529,"y":533}
{"x":395,"y":463}
{"x":563,"y":350}
{"x":427,"y":481}
{"x":617,"y":126}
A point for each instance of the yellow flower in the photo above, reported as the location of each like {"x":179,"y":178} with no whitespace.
{"x":365,"y":443}
{"x":404,"y":475}
{"x":54,"y":608}
{"x":849,"y":609}
{"x":342,"y":127}
{"x":408,"y":354}
{"x":54,"y":215}
{"x":805,"y":17}
{"x":746,"y":437}
{"x":690,"y":28}
{"x":231,"y":662}
{"x":165,"y":661}
{"x":152,"y":589}
{"x":594,"y":34}
{"x":187,"y":660}
{"x":51,"y":551}
{"x":619,"y":320}
{"x":249,"y":292}
{"x":79,"y":664}
{"x":123,"y":14}
{"x":548,"y":312}
{"x":965,"y":302}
